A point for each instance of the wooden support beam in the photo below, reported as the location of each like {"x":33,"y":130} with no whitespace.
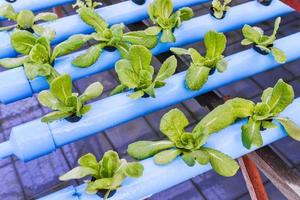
{"x":253,"y":179}
{"x":285,"y":179}
{"x":293,"y":3}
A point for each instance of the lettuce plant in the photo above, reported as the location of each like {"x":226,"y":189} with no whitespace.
{"x":38,"y":56}
{"x":219,"y":9}
{"x":202,"y":66}
{"x":190,"y":145}
{"x":161,"y":13}
{"x":105,"y":37}
{"x":262,"y":43}
{"x":273,"y":102}
{"x":107,"y":174}
{"x":65,"y":103}
{"x":136,"y":73}
{"x":26,"y":20}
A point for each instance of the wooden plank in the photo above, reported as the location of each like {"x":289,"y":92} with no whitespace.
{"x":278,"y":172}
{"x":252,"y":178}
{"x":293,"y":3}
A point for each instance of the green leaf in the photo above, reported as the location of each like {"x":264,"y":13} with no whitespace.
{"x":196,"y":77}
{"x":47,"y":99}
{"x":232,"y":109}
{"x":246,"y":42}
{"x":123,"y":49}
{"x":153,"y":30}
{"x":251,"y":34}
{"x":119,"y":89}
{"x":141,"y":38}
{"x":90,"y":17}
{"x":163,"y":8}
{"x":92,"y":91}
{"x":126,"y":74}
{"x":221,"y":65}
{"x":46,"y":32}
{"x":172,"y":124}
{"x":200,"y":156}
{"x":103,"y":183}
{"x":55,"y":116}
{"x":279,"y":55}
{"x":8,"y":12}
{"x":89,"y":57}
{"x":85,"y":109}
{"x":167,"y":36}
{"x":25,"y":19}
{"x":241,"y":107}
{"x":215,"y":44}
{"x":22,"y":41}
{"x":109,"y":164}
{"x":186,"y":13}
{"x":77,"y":173}
{"x":39,"y":54}
{"x":45,"y":16}
{"x":10,"y":63}
{"x":88,"y":160}
{"x":140,"y":58}
{"x":179,"y":51}
{"x":73,"y":43}
{"x":276,"y":26}
{"x":292,"y":129}
{"x":282,"y":95}
{"x":222,"y":163}
{"x":196,"y":56}
{"x":61,"y":87}
{"x":134,"y":170}
{"x":144,"y":149}
{"x":267,"y":125}
{"x":32,"y":70}
{"x":167,"y":69}
{"x":251,"y":134}
{"x":166,"y":156}
{"x":136,"y":95}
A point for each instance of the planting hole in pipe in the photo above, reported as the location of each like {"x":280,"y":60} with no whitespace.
{"x":139,"y":2}
{"x":265,"y":2}
{"x":212,"y":71}
{"x":110,"y":48}
{"x":211,"y":12}
{"x":11,"y":1}
{"x":262,"y":52}
{"x":73,"y":118}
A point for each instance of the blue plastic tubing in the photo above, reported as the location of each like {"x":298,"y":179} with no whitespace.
{"x":189,"y":32}
{"x":158,"y":178}
{"x":34,"y":139}
{"x":35,"y":5}
{"x":126,"y":12}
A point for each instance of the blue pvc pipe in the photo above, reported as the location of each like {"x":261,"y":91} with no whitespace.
{"x":118,"y":109}
{"x":35,"y":5}
{"x":117,"y":13}
{"x":227,"y":141}
{"x":190,"y":32}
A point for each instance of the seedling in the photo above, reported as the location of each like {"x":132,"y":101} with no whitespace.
{"x":263,"y":44}
{"x":136,"y":73}
{"x":105,"y":37}
{"x":189,"y":145}
{"x":107,"y":174}
{"x":26,"y":20}
{"x":273,"y":102}
{"x":201,"y":67}
{"x":161,"y":13}
{"x":65,"y":103}
{"x":219,"y":9}
{"x":38,"y":57}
